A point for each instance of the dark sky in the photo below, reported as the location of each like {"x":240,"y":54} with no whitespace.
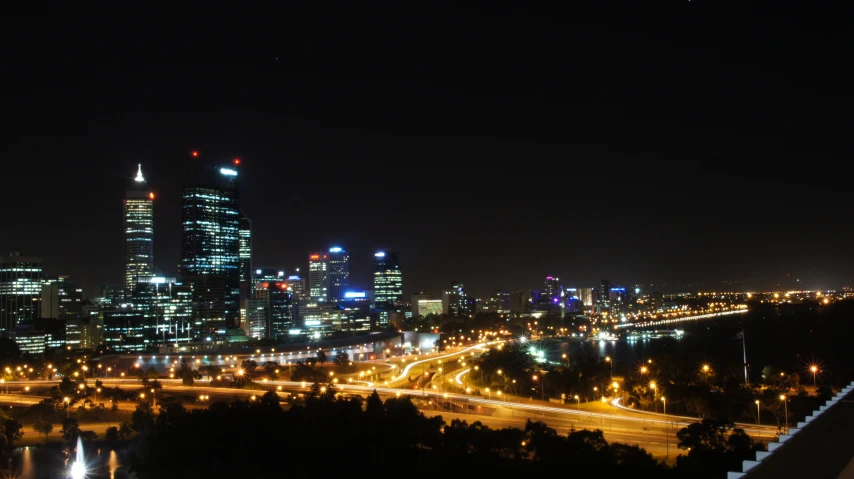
{"x":490,"y":146}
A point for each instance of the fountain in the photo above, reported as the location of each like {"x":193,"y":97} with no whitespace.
{"x":78,"y":467}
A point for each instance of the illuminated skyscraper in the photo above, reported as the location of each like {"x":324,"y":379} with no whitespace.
{"x":337,"y":274}
{"x":210,"y":258}
{"x":21,"y":279}
{"x":139,"y":232}
{"x":388,"y":280}
{"x":317,"y":277}
{"x":245,"y":234}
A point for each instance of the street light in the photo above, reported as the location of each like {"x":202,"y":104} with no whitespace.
{"x":757,"y":412}
{"x":577,"y":402}
{"x":67,"y":402}
{"x":813,"y":370}
{"x":664,"y":401}
{"x":785,"y":410}
{"x":489,"y":394}
{"x":706,"y":372}
{"x":611,"y":363}
{"x":653,"y":386}
{"x":542,"y":386}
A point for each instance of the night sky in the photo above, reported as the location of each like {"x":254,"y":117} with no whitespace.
{"x":489,"y":146}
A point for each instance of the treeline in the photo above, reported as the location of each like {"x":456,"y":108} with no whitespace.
{"x":259,"y":439}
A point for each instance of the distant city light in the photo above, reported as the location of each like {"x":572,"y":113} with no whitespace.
{"x":228,"y":172}
{"x":354,"y":294}
{"x":380,"y":255}
{"x":157,"y":279}
{"x":335,"y":249}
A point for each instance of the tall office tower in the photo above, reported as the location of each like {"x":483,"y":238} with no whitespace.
{"x":603,"y":296}
{"x":210,"y":258}
{"x":317,"y":277}
{"x":388,"y":280}
{"x":139,"y":231}
{"x":60,"y":299}
{"x":551,"y":291}
{"x":586,"y":296}
{"x":455,"y":301}
{"x":278,"y":307}
{"x":245,"y":234}
{"x":300,"y":297}
{"x":337,"y":274}
{"x":21,"y":279}
{"x":618,"y":301}
{"x":166,"y":306}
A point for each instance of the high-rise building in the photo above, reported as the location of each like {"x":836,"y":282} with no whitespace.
{"x":300,"y":297}
{"x":586,"y":296}
{"x":388,"y":280}
{"x":337,"y":274}
{"x":210,"y":259}
{"x":21,"y":279}
{"x":278,"y":307}
{"x":603,"y":296}
{"x":317,"y":286}
{"x":618,"y":301}
{"x":166,"y":306}
{"x":245,"y":235}
{"x":60,"y":299}
{"x":124,"y":329}
{"x":84,"y":333}
{"x":139,"y":231}
{"x":455,"y":301}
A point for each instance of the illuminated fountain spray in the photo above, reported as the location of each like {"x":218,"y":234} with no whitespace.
{"x":78,"y":467}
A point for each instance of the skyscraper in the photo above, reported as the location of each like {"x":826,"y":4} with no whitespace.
{"x":210,"y":258}
{"x":21,"y":279}
{"x":337,"y":274}
{"x":388,"y":280}
{"x":139,"y":231}
{"x":317,"y":277}
{"x":246,"y":284}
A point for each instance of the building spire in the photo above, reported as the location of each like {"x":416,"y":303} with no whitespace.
{"x":139,"y":177}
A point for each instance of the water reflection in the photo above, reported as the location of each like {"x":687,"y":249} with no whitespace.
{"x":54,"y":461}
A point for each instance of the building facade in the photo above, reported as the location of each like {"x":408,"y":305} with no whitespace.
{"x":210,"y":259}
{"x":21,"y":279}
{"x":138,"y":218}
{"x":317,"y":284}
{"x":388,"y":280}
{"x":337,"y":274}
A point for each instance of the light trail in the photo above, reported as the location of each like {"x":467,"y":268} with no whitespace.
{"x":405,"y":372}
{"x":458,"y":377}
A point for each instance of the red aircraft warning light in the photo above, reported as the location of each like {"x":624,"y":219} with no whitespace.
{"x":314,"y":256}
{"x":237,"y":161}
{"x":195,"y":154}
{"x":151,"y":196}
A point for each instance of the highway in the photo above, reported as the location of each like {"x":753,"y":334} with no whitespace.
{"x":620,"y":424}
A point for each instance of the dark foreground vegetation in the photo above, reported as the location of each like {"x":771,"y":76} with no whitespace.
{"x":329,"y":434}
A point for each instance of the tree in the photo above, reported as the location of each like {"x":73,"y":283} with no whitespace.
{"x":186,"y":373}
{"x":112,"y":434}
{"x":152,"y":373}
{"x":12,"y":431}
{"x":125,"y":430}
{"x":67,"y":387}
{"x":70,"y":429}
{"x":42,"y":427}
{"x":321,"y":358}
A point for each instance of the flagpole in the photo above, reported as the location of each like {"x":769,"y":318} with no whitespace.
{"x":744,"y":350}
